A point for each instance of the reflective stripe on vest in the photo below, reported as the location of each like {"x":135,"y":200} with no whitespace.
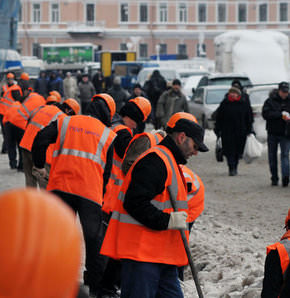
{"x":286,"y":243}
{"x":40,"y":126}
{"x":94,"y":157}
{"x":195,"y":183}
{"x":173,"y":187}
{"x":283,"y":249}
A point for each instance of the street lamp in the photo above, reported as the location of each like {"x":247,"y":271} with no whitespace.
{"x":157,"y":47}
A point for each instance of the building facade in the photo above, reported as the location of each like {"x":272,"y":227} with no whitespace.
{"x":185,"y":27}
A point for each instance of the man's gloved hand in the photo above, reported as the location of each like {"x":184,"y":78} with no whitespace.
{"x":39,"y":173}
{"x":177,"y":220}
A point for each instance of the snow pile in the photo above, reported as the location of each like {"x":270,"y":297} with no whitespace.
{"x":262,"y":55}
{"x":228,"y":260}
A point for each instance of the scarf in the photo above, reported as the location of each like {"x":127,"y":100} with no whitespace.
{"x":233,"y":98}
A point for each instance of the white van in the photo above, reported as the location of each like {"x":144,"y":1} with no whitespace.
{"x":32,"y":65}
{"x":145,"y":73}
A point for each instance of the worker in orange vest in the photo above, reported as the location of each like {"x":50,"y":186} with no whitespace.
{"x":39,"y":119}
{"x":195,"y":188}
{"x":133,"y":112}
{"x":276,"y":281}
{"x":143,"y":230}
{"x":80,"y":169}
{"x":139,"y":143}
{"x":5,"y":102}
{"x":40,"y":242}
{"x":13,"y":132}
{"x":10,"y":81}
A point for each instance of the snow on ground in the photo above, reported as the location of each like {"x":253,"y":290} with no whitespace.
{"x":242,"y":215}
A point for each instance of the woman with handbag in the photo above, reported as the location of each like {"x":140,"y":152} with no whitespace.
{"x":233,"y":124}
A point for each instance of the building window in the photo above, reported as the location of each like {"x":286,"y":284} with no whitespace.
{"x":90,"y":14}
{"x":201,"y":50}
{"x":20,"y":14}
{"x":221,"y":12}
{"x":283,"y":9}
{"x":163,"y":12}
{"x":36,"y":13}
{"x":124,"y":10}
{"x":263,"y":12}
{"x":143,"y":50}
{"x":143,"y":12}
{"x":182,"y":13}
{"x":242,"y":12}
{"x":201,"y":12}
{"x":182,"y":49}
{"x":54,"y":13}
{"x":123,"y":47}
{"x":36,"y":49}
{"x":163,"y":49}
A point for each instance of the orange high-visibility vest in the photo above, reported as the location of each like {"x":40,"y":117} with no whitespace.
{"x":283,"y":248}
{"x":11,"y":111}
{"x":38,"y":120}
{"x":126,"y":238}
{"x":195,"y":197}
{"x":79,"y":157}
{"x":116,"y":178}
{"x":5,"y":104}
{"x":7,"y":100}
{"x":29,"y":105}
{"x":13,"y":87}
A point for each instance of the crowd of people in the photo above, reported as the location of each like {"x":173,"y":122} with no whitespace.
{"x":94,"y":160}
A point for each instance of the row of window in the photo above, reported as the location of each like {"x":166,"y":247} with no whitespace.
{"x":162,"y":14}
{"x":181,"y":49}
{"x":221,"y":15}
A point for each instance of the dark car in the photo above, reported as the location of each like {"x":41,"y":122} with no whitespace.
{"x":224,"y":79}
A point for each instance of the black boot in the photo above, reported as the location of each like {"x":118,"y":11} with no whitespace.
{"x":285,"y":181}
{"x":231,"y":171}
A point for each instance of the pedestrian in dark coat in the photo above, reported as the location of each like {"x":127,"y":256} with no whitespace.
{"x":278,"y":129}
{"x":118,"y":93}
{"x":154,"y":87}
{"x":41,"y":84}
{"x":233,"y":124}
{"x":55,"y":83}
{"x":98,"y":80}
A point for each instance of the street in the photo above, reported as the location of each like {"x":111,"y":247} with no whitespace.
{"x":243,"y":214}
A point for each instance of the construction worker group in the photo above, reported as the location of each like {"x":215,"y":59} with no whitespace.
{"x":120,"y":184}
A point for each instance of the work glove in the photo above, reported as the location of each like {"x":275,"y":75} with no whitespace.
{"x":177,"y":220}
{"x":39,"y":173}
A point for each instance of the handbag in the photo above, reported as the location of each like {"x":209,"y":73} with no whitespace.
{"x":219,"y":150}
{"x":253,"y":148}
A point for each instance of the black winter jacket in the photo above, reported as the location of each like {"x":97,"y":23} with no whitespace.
{"x":233,"y":124}
{"x":272,"y":113}
{"x":148,"y":180}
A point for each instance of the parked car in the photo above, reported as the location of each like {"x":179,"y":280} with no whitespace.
{"x":169,"y":74}
{"x":224,"y":79}
{"x":185,"y":73}
{"x":190,"y":84}
{"x":257,"y":96}
{"x":205,"y":101}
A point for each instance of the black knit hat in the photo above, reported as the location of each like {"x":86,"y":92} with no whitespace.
{"x":99,"y":109}
{"x":132,"y":111}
